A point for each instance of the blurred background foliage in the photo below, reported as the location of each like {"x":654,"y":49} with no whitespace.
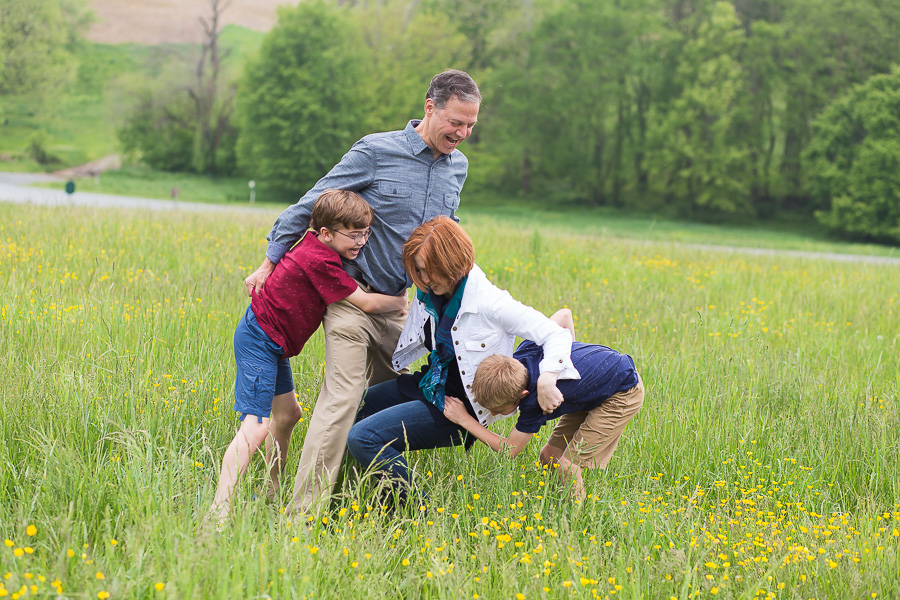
{"x":702,"y":110}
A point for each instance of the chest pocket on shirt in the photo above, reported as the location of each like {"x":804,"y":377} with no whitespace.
{"x":486,"y":344}
{"x":396,"y":198}
{"x":451,"y":201}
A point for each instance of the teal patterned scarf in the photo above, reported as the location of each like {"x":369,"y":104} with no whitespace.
{"x":443,"y":312}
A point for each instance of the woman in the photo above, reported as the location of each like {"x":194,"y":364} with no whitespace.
{"x":459,"y":317}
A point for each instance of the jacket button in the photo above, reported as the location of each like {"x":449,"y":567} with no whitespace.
{"x":483,"y":347}
{"x":468,"y":387}
{"x":454,"y":328}
{"x":457,"y":343}
{"x":560,"y":361}
{"x":462,"y":372}
{"x":459,"y":358}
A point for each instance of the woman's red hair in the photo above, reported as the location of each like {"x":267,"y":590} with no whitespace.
{"x":445,"y":248}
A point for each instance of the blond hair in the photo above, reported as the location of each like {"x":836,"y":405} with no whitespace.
{"x":335,"y":208}
{"x":499,"y":382}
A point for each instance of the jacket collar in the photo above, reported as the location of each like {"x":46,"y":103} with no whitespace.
{"x":472,"y":293}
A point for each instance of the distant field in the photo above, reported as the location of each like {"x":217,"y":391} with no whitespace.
{"x":174,"y":21}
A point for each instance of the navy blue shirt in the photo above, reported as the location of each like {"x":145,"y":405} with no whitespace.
{"x":604,"y":372}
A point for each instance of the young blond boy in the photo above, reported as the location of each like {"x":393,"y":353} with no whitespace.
{"x":282,"y":316}
{"x":592,"y":416}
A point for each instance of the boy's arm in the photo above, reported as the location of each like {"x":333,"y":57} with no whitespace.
{"x":456,"y":412}
{"x":377,"y":303}
{"x":563,"y":318}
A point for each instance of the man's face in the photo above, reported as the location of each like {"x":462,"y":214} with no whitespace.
{"x":447,"y":127}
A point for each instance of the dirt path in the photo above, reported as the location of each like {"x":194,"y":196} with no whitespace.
{"x":91,"y":169}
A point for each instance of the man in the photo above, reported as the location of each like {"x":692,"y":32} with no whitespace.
{"x":408,"y":176}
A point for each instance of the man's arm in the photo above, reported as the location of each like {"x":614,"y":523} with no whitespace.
{"x":377,"y":303}
{"x":515,"y":443}
{"x":355,"y":171}
{"x":255,"y":281}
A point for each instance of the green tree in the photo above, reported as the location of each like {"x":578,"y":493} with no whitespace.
{"x":699,"y":157}
{"x":480,"y":22}
{"x":181,"y":121}
{"x":38,"y":44}
{"x":159,"y":129}
{"x":303,"y":100}
{"x":854,"y":161}
{"x":407,"y":47}
{"x":828,"y":46}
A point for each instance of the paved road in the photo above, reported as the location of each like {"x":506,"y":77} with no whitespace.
{"x":13,"y":188}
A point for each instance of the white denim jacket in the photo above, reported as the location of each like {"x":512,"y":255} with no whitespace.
{"x":488,"y":321}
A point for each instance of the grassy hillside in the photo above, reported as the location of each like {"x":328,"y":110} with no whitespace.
{"x":80,"y":124}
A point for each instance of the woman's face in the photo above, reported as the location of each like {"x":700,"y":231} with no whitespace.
{"x":436,"y":285}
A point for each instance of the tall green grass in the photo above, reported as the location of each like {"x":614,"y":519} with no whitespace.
{"x":764,"y":463}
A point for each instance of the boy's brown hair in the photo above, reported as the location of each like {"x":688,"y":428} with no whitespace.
{"x":499,"y":382}
{"x":334,"y":208}
{"x":445,"y":248}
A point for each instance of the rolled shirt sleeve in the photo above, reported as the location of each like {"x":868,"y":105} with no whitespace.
{"x":354,"y":172}
{"x":531,"y":324}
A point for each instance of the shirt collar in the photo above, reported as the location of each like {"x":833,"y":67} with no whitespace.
{"x":416,"y":142}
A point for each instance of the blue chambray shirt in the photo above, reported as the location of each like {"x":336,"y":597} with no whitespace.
{"x":397,"y":174}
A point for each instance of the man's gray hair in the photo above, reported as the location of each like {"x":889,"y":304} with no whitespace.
{"x":453,"y":82}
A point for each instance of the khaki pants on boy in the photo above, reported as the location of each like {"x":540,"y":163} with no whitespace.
{"x":590,"y":437}
{"x":358,"y":349}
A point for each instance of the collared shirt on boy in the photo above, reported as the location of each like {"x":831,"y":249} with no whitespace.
{"x":604,"y":372}
{"x":397,"y":174}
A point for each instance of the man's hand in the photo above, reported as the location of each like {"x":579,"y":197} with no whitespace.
{"x":455,"y":410}
{"x":256,"y":279}
{"x":549,"y":396}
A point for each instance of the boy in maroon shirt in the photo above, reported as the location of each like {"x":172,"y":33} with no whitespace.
{"x":280,"y":319}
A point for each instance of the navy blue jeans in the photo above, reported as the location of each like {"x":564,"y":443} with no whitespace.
{"x":389,"y":423}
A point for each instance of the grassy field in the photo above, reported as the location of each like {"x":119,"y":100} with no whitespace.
{"x":765,"y":463}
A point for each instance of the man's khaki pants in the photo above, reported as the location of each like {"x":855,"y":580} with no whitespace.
{"x":358,"y":349}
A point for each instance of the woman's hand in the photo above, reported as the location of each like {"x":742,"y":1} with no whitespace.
{"x":549,"y":396}
{"x":456,"y":411}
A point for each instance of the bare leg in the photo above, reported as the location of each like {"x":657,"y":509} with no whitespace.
{"x":567,"y":470}
{"x":247,"y":440}
{"x":285,"y":415}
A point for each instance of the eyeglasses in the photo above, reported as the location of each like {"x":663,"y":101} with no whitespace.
{"x":362,"y":235}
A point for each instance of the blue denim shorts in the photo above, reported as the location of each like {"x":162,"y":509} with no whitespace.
{"x":262,"y":372}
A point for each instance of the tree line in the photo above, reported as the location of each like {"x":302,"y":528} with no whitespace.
{"x":702,"y":109}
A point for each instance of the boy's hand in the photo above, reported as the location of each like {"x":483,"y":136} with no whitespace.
{"x":549,"y":396}
{"x":402,"y":304}
{"x":455,"y":410}
{"x":256,"y":279}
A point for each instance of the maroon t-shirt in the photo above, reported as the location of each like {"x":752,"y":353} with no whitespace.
{"x":292,"y":303}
